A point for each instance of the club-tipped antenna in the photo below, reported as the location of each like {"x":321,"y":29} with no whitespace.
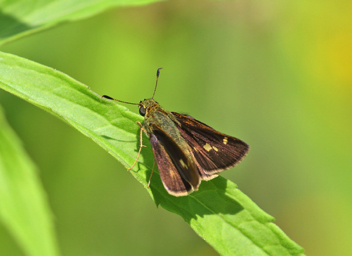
{"x":108,"y":97}
{"x":156,"y":83}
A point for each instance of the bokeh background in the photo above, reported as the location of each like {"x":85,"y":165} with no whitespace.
{"x":276,"y":74}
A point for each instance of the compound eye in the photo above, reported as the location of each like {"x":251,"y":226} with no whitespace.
{"x":142,"y":111}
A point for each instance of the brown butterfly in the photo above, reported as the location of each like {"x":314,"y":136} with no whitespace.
{"x":185,"y":149}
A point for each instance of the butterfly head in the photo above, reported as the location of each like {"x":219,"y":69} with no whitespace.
{"x":146,"y":105}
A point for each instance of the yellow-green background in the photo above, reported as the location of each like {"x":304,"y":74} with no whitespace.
{"x":276,"y":74}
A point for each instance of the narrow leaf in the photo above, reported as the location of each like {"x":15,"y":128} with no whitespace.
{"x":24,"y":208}
{"x":23,"y":17}
{"x":218,"y":212}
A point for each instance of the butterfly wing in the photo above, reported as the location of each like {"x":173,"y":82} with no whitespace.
{"x":212,"y":150}
{"x":178,"y":174}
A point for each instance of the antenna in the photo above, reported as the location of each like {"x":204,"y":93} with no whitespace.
{"x":108,"y":97}
{"x":156,"y":83}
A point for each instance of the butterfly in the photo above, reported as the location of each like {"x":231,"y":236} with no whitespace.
{"x":186,"y":150}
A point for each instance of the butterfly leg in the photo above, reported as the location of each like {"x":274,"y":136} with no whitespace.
{"x":140,"y":144}
{"x":150,"y":178}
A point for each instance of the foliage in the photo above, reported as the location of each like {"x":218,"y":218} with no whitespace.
{"x":218,"y":212}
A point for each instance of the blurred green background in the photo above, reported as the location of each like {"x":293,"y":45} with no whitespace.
{"x":276,"y":74}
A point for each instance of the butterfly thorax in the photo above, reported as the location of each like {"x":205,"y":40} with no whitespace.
{"x":156,"y":118}
{"x":151,"y":110}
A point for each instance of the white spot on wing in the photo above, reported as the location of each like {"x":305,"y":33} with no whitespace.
{"x":183,"y":164}
{"x":207,"y":147}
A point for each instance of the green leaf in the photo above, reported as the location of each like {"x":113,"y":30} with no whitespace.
{"x":24,"y":209}
{"x":23,"y":17}
{"x":218,"y":212}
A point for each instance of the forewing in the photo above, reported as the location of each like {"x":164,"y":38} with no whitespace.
{"x":179,"y":176}
{"x":213,"y":151}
